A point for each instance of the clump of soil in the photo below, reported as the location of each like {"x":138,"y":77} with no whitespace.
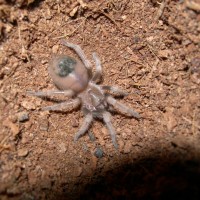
{"x":150,"y":49}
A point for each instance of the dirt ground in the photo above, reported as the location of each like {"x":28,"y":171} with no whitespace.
{"x":151,"y":49}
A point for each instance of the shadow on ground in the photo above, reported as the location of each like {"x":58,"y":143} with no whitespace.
{"x":153,"y":177}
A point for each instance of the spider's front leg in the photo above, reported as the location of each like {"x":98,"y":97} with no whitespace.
{"x":98,"y":73}
{"x":79,"y":51}
{"x":122,"y":108}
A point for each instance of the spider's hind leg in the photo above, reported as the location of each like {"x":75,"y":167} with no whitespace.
{"x":85,"y":126}
{"x":107,"y":120}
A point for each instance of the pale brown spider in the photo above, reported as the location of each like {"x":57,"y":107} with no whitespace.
{"x":74,"y":79}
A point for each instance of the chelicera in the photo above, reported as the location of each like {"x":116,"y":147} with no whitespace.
{"x":75,"y":80}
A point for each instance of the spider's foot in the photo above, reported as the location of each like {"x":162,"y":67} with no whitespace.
{"x":32,"y":93}
{"x":115,"y":144}
{"x":135,"y":114}
{"x":76,"y":137}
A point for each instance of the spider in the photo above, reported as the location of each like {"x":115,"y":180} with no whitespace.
{"x":75,"y":80}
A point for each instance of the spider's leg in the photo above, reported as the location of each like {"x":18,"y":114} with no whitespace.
{"x":68,"y":93}
{"x":122,"y":108}
{"x":79,"y":51}
{"x":84,"y":127}
{"x":115,"y":91}
{"x":107,"y":120}
{"x":68,"y":105}
{"x":98,"y":73}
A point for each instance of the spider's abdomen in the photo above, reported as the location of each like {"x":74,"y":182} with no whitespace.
{"x":68,"y":73}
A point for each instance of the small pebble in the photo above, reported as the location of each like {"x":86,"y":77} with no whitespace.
{"x":44,"y":123}
{"x":13,"y":190}
{"x":28,"y":105}
{"x":121,"y":145}
{"x":77,"y":171}
{"x":127,"y":147}
{"x":32,"y":177}
{"x":62,"y":148}
{"x":164,"y":53}
{"x":104,"y":131}
{"x":22,"y":152}
{"x":98,"y":152}
{"x":13,"y":127}
{"x":55,"y":49}
{"x":23,"y":116}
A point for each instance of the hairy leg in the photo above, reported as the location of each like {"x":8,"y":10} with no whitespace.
{"x":98,"y":73}
{"x":84,"y":127}
{"x":68,"y":105}
{"x":107,"y":120}
{"x":122,"y":108}
{"x":68,"y":93}
{"x":79,"y":51}
{"x":114,"y":90}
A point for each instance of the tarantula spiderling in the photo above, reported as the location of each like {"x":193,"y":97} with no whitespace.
{"x":74,"y":79}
